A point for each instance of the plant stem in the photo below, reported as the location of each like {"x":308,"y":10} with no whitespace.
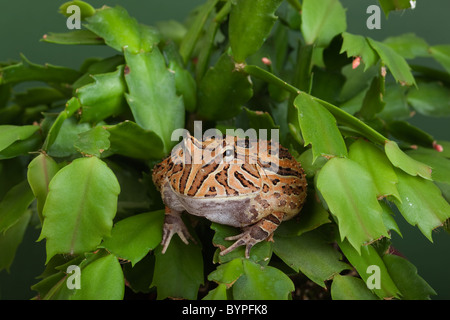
{"x":188,"y":43}
{"x":353,"y":122}
{"x":223,"y":13}
{"x":432,"y":73}
{"x":270,"y":77}
{"x":338,"y":113}
{"x":300,"y":80}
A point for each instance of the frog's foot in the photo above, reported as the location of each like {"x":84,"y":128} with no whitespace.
{"x":173,"y":224}
{"x":256,"y":233}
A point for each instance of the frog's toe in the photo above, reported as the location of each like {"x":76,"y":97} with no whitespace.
{"x":243,"y":239}
{"x":174,"y":227}
{"x":255,"y":233}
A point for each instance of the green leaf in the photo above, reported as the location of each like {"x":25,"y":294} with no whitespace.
{"x":218,"y":293}
{"x":129,"y":139}
{"x":261,"y":120}
{"x":227,"y":273}
{"x":404,"y":274}
{"x":441,"y":53}
{"x":377,"y":165}
{"x":118,"y":29}
{"x":63,"y":145}
{"x":22,"y":147}
{"x":152,"y":98}
{"x":388,"y":218}
{"x":262,"y":283}
{"x":80,"y":206}
{"x":133,"y":237}
{"x":350,"y":288}
{"x":101,"y":279}
{"x":91,"y":68}
{"x":138,"y":194}
{"x":311,"y":254}
{"x":421,"y":203}
{"x":322,"y":21}
{"x":11,"y":239}
{"x":358,"y":46}
{"x":302,"y":77}
{"x":395,"y":62}
{"x":190,"y":39}
{"x":184,"y":81}
{"x":71,"y":106}
{"x":396,"y":107}
{"x":178,"y":272}
{"x":172,"y":30}
{"x":208,"y":40}
{"x":139,"y":277}
{"x":150,"y":37}
{"x":223,"y":90}
{"x":10,"y":134}
{"x":434,"y":159}
{"x":86,"y":10}
{"x":41,"y":171}
{"x":327,"y":86}
{"x":445,"y":146}
{"x":257,"y":19}
{"x":38,"y":95}
{"x":351,"y":196}
{"x":77,"y":37}
{"x":430,"y":99}
{"x":53,"y":287}
{"x":93,"y":142}
{"x":405,"y":131}
{"x":373,"y":102}
{"x":401,"y":160}
{"x":362,"y":261}
{"x":310,"y":166}
{"x":408,"y":45}
{"x":104,"y":97}
{"x":14,"y":205}
{"x":355,"y":87}
{"x":27,"y":71}
{"x":392,"y":5}
{"x":326,"y":140}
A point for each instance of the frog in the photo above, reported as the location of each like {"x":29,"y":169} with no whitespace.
{"x":247,"y":183}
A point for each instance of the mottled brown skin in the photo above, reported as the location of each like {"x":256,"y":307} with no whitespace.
{"x":243,"y":190}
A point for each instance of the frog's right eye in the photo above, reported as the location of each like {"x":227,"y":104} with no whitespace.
{"x":228,"y":153}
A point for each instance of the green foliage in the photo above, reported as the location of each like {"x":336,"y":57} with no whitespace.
{"x":325,"y":139}
{"x":77,"y":218}
{"x":321,"y":23}
{"x":77,"y":151}
{"x":257,"y":19}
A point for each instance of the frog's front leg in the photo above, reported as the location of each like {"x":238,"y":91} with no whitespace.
{"x":253,"y":234}
{"x":173,"y":224}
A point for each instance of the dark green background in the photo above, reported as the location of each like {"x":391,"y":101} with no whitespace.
{"x":23,"y":23}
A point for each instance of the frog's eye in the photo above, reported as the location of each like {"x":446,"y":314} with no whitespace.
{"x":228,"y":153}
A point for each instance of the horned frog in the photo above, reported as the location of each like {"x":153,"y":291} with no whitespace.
{"x":247,"y":183}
